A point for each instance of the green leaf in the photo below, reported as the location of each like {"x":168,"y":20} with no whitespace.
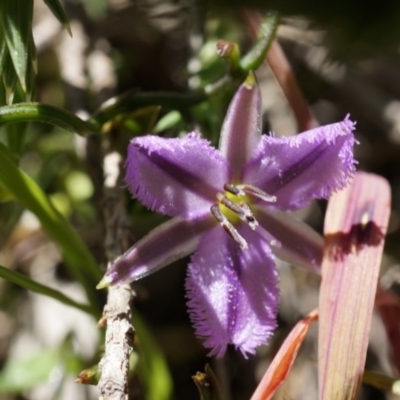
{"x":45,"y":113}
{"x":29,"y":284}
{"x":22,"y":374}
{"x":31,"y":72}
{"x":80,"y":262}
{"x":140,"y":121}
{"x":9,"y":77}
{"x":152,"y":367}
{"x":168,"y":121}
{"x":56,"y":8}
{"x":3,"y":50}
{"x":383,"y":382}
{"x":16,"y":19}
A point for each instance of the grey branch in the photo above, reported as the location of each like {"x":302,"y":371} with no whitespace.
{"x":114,"y":365}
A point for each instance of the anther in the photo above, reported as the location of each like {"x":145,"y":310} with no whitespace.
{"x":233,"y":189}
{"x":231,"y":205}
{"x":253,"y":223}
{"x":256,"y":192}
{"x":228,"y":227}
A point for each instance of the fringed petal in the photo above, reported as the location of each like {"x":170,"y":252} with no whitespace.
{"x":297,"y":169}
{"x":177,"y":177}
{"x":232,"y":293}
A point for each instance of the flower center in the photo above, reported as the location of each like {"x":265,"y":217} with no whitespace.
{"x":233,"y":205}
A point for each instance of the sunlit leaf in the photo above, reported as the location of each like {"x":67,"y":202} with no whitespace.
{"x":355,"y":227}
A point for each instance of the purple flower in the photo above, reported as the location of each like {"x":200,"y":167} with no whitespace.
{"x":242,"y":187}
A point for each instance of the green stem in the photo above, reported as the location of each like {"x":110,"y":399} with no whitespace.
{"x":256,"y":56}
{"x":46,"y":113}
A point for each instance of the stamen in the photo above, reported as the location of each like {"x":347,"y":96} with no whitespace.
{"x":228,"y":227}
{"x":233,"y":189}
{"x":256,"y":192}
{"x":253,"y":223}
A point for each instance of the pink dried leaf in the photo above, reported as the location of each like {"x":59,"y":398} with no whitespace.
{"x":355,"y":227}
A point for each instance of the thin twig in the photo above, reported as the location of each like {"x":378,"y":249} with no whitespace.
{"x":114,"y":366}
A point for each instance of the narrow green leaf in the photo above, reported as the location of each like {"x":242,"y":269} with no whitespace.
{"x":9,"y":77}
{"x":81,"y":263}
{"x":29,"y":284}
{"x":45,"y":113}
{"x":56,"y":8}
{"x":30,"y":78}
{"x":152,"y":368}
{"x":16,"y":19}
{"x":3,"y":50}
{"x":383,"y":382}
{"x":355,"y":227}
